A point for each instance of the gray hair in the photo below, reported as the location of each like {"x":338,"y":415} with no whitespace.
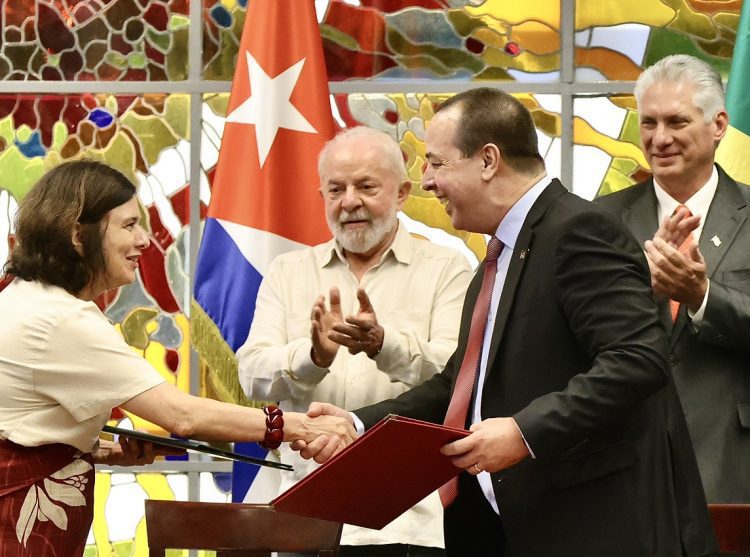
{"x":392,"y":154}
{"x":682,"y":68}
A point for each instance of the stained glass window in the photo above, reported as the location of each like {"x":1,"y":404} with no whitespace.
{"x":616,"y":40}
{"x":407,"y":39}
{"x":607,"y":156}
{"x":103,"y":40}
{"x":144,"y":137}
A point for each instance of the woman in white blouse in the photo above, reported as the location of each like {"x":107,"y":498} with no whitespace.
{"x":63,"y":367}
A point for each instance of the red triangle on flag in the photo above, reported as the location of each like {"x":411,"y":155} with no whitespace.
{"x":278,"y":119}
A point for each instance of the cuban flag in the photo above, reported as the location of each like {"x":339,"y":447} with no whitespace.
{"x":264,"y":199}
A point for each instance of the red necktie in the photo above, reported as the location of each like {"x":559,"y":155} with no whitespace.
{"x":459,"y":404}
{"x":674,"y":305}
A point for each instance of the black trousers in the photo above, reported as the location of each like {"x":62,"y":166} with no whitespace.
{"x":472,"y":527}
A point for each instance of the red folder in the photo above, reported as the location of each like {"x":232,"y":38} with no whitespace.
{"x":389,"y":469}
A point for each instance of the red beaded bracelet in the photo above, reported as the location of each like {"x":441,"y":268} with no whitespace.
{"x":274,"y":428}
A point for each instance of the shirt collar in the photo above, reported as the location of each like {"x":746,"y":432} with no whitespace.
{"x":698,"y":202}
{"x":510,"y":227}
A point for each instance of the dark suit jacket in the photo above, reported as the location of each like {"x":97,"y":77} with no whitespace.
{"x":585,"y":385}
{"x":711,"y":360}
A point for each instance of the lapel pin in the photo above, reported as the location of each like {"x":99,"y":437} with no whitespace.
{"x":523,"y":254}
{"x":715,"y":241}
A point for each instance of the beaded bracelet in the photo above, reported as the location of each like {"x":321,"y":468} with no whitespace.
{"x":274,"y":428}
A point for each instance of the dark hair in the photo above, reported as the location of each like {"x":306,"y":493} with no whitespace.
{"x":493,"y":116}
{"x":83,"y":192}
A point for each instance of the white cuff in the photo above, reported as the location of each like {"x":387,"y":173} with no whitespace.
{"x":698,"y":315}
{"x":524,"y":440}
{"x":358,"y":425}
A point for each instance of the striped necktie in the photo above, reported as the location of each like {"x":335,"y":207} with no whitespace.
{"x":459,"y":403}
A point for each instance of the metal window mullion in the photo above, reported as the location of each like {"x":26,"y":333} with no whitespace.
{"x":386,"y":86}
{"x":195,"y":58}
{"x":567,"y":89}
{"x":196,"y":107}
{"x":170,"y":466}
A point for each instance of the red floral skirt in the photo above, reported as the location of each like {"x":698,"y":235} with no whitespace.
{"x":46,"y":500}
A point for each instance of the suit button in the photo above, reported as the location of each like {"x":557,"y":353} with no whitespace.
{"x":672,"y":361}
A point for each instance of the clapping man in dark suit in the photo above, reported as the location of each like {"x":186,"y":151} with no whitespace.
{"x":692,"y":219}
{"x":560,"y":369}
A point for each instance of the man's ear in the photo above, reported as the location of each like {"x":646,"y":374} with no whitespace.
{"x":76,"y":239}
{"x":403,"y":193}
{"x":491,"y":160}
{"x":721,"y":121}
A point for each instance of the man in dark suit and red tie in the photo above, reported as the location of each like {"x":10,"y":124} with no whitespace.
{"x":560,"y":370}
{"x":707,"y":281}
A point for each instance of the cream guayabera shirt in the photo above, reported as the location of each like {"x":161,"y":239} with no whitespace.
{"x":417,"y":291}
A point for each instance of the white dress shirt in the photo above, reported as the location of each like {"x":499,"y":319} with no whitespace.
{"x":507,"y":232}
{"x":698,"y":204}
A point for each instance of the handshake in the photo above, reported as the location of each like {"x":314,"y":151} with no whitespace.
{"x":493,"y":445}
{"x":327,"y":444}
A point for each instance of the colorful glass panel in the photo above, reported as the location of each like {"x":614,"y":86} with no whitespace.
{"x":607,"y":155}
{"x":445,"y":39}
{"x":146,"y":138}
{"x":119,"y":526}
{"x":616,"y":40}
{"x":94,"y":40}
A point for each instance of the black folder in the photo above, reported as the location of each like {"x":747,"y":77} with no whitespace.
{"x":190,"y":445}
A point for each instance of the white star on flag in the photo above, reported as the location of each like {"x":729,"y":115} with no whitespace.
{"x":268,"y":106}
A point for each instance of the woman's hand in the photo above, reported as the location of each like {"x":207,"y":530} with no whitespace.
{"x":130,"y":452}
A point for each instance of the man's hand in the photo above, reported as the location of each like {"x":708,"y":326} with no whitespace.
{"x":676,"y":275}
{"x":324,"y":447}
{"x":494,"y":444}
{"x":361,"y":332}
{"x":322,"y":322}
{"x":325,"y":409}
{"x":676,"y":228}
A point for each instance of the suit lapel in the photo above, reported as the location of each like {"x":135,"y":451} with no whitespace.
{"x":724,"y":219}
{"x":521,"y":254}
{"x":517,"y":262}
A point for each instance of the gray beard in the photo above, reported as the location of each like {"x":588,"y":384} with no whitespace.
{"x":362,"y":241}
